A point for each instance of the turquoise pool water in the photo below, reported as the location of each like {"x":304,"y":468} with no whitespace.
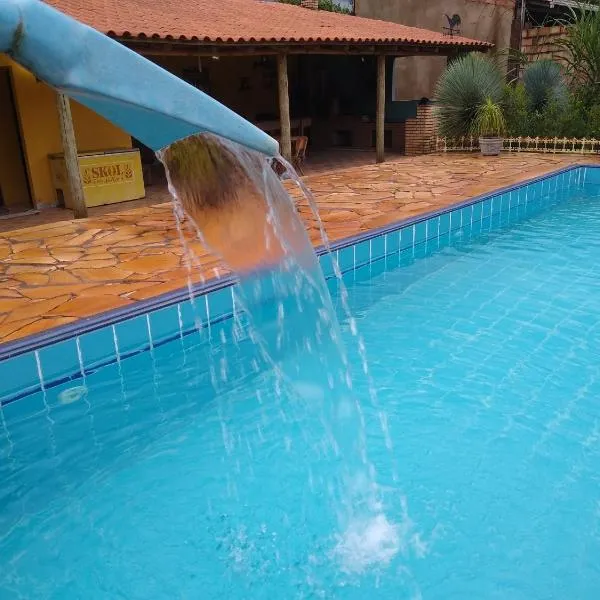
{"x":141,"y":480}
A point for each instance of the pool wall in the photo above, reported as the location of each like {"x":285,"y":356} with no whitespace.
{"x":52,"y":357}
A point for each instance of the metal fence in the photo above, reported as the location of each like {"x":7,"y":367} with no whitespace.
{"x":554,"y":145}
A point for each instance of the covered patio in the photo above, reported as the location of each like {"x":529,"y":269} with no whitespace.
{"x":296,"y":72}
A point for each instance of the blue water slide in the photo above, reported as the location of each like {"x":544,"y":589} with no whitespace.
{"x":148,"y":102}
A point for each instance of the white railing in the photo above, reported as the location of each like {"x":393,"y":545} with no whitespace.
{"x":554,"y":145}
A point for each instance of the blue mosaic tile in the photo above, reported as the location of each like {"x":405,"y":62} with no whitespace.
{"x":392,"y":242}
{"x":363,"y":273}
{"x":432,"y":227}
{"x":362,"y":253}
{"x":333,"y":285}
{"x":486,"y":208}
{"x":476,"y":228}
{"x":420,"y":232}
{"x":590,"y":175}
{"x":326,"y":265}
{"x":378,"y":267}
{"x":18,"y":375}
{"x":378,"y":247}
{"x":15,"y":412}
{"x":59,"y":360}
{"x":132,"y":334}
{"x":392,"y":261}
{"x":407,"y":237}
{"x":220,"y":304}
{"x":477,"y":212}
{"x":466,"y":214}
{"x":193,"y":314}
{"x":346,"y":258}
{"x":97,"y":346}
{"x":406,"y":256}
{"x":164,"y":323}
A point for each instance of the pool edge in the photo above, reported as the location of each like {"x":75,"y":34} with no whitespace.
{"x":36,"y":341}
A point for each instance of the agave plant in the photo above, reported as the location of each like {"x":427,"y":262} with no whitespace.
{"x":466,"y":84}
{"x":544,"y":84}
{"x":489,"y":120}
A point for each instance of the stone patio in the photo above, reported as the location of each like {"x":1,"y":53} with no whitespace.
{"x":59,"y":271}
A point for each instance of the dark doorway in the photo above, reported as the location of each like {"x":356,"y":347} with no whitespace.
{"x":15,"y":195}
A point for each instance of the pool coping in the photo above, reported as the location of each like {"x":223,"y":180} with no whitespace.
{"x":61,"y":333}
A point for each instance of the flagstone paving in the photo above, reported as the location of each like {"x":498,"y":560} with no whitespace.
{"x":56,"y":273}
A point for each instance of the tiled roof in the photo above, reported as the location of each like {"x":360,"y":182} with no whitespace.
{"x":243,"y":21}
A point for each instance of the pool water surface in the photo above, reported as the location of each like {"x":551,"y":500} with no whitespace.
{"x":152,"y":477}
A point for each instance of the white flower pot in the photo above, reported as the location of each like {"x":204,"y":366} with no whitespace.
{"x":491,"y":146}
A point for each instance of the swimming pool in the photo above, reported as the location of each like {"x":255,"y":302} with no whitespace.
{"x":126,"y":474}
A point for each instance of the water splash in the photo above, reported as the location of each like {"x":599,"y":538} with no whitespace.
{"x":235,"y":199}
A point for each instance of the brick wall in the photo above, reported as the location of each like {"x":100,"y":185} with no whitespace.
{"x":314,"y":4}
{"x":540,"y":42}
{"x":420,"y":131}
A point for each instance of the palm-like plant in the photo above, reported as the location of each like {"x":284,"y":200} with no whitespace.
{"x":582,"y":45}
{"x":464,"y":86}
{"x":544,"y":84}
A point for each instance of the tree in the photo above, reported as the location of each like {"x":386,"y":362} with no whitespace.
{"x":329,"y":5}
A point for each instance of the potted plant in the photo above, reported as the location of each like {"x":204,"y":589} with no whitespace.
{"x":490,"y":126}
{"x":469,"y":83}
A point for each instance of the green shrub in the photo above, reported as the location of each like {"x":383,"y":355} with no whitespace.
{"x":594,"y":121}
{"x":466,"y":84}
{"x":544,"y":84}
{"x":516,"y":109}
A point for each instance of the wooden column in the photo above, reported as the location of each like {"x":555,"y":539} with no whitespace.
{"x":67,"y":134}
{"x":285,"y":145}
{"x":380,"y":114}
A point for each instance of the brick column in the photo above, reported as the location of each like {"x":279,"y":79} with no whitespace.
{"x":419,"y":133}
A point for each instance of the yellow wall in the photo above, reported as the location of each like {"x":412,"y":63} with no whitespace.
{"x":38,"y":116}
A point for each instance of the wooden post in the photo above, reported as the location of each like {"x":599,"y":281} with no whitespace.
{"x":67,"y":134}
{"x":380,"y":114}
{"x":285,"y":145}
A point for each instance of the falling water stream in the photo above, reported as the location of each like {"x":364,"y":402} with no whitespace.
{"x":234,"y":200}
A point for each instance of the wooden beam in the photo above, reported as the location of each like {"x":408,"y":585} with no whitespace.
{"x":67,"y":134}
{"x":380,"y":113}
{"x":158,"y":48}
{"x":284,"y":107}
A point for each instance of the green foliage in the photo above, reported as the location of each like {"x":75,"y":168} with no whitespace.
{"x":516,"y":111}
{"x":466,"y":84}
{"x":582,"y":44}
{"x":489,"y":120}
{"x":569,"y":118}
{"x":544,"y":84}
{"x":328,"y":5}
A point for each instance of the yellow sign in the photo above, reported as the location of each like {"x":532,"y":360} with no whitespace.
{"x":107,"y":177}
{"x":99,"y":174}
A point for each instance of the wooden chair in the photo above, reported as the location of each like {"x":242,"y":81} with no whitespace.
{"x":299,"y":152}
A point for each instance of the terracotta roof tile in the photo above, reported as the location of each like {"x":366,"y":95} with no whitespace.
{"x":243,"y":21}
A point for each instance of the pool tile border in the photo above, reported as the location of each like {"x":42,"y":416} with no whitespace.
{"x":73,"y":351}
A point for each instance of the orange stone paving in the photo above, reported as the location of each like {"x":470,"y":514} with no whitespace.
{"x":57,"y":272}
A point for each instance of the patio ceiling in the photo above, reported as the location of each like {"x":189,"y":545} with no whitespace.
{"x":209,"y":27}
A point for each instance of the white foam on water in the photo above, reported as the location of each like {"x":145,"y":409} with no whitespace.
{"x":367,"y":543}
